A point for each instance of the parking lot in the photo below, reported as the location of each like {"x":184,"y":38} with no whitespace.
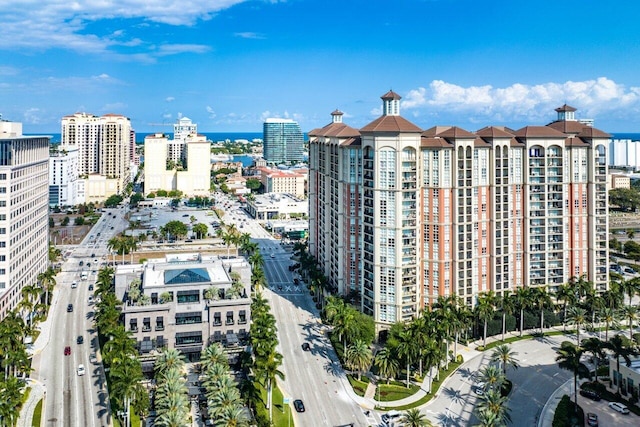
{"x":606,"y":415}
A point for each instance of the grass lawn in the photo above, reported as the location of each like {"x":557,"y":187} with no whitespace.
{"x":444,"y":373}
{"x":392,"y":392}
{"x":359,"y":387}
{"x":527,"y":336}
{"x":282,"y":416}
{"x":37,"y":415}
{"x":135,"y":421}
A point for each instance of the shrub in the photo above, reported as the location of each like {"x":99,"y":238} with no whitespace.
{"x":565,"y":414}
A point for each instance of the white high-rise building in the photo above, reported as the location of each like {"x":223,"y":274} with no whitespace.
{"x":104,"y":144}
{"x":63,"y":176}
{"x":24,"y":200}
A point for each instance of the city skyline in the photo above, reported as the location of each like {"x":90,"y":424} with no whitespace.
{"x":230,"y":64}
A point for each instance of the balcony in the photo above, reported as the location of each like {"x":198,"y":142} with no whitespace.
{"x":160,"y":327}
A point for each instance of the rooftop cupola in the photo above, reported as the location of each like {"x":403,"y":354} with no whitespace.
{"x":566,"y":113}
{"x":391,"y":104}
{"x":336,"y":116}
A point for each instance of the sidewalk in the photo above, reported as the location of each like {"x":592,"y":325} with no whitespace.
{"x":549,"y":408}
{"x":38,"y":388}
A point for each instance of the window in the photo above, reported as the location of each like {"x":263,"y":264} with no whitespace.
{"x":188,"y":318}
{"x":217,"y":319}
{"x":187,"y":296}
{"x":229,"y":318}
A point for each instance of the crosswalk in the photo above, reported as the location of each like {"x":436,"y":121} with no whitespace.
{"x":285,"y":288}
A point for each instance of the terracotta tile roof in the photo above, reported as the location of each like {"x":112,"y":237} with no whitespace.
{"x":352,"y":142}
{"x":566,"y":107}
{"x":456,"y":132}
{"x":436,"y":130}
{"x":479,"y":142}
{"x":391,"y":95}
{"x":391,"y":124}
{"x":434,"y":142}
{"x":494,"y":132}
{"x":591,"y":132}
{"x":538,"y":132}
{"x":337,"y":130}
{"x":337,"y":112}
{"x":567,"y":126}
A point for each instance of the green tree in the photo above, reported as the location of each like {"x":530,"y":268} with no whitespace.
{"x":484,"y":311}
{"x":568,"y":358}
{"x":387,"y":363}
{"x":577,"y":316}
{"x":268,"y":370}
{"x":522,"y":299}
{"x":625,"y":198}
{"x":542,"y":301}
{"x":493,"y":402}
{"x":505,"y":357}
{"x":358,"y":357}
{"x":78,"y":220}
{"x":596,"y":348}
{"x":65,"y":221}
{"x":414,"y":418}
{"x":200,"y":230}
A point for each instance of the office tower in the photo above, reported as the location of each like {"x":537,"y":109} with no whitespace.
{"x":63,"y":176}
{"x":184,"y":128}
{"x":104,"y":144}
{"x":445,"y":211}
{"x":282,"y":141}
{"x":24,"y":198}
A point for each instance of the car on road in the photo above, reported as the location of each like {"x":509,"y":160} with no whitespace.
{"x":74,"y":285}
{"x":273,"y":256}
{"x":69,"y":308}
{"x":592,"y":419}
{"x":298,"y":405}
{"x":306,"y":346}
{"x":81,"y":370}
{"x":93,"y":358}
{"x":81,"y":263}
{"x":93,"y":255}
{"x":90,"y":300}
{"x":90,"y":287}
{"x":619,"y":407}
{"x":67,"y":350}
{"x":80,"y":339}
{"x":480,"y":388}
{"x":590,"y":394}
{"x":390,"y":416}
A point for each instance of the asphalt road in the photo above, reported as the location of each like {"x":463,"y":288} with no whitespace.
{"x":312,"y":376}
{"x":72,"y":399}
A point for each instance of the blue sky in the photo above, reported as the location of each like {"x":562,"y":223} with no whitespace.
{"x":229,"y":64}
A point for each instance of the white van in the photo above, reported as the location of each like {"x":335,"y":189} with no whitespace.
{"x":391,"y":416}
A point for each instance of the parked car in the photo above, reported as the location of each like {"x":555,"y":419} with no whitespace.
{"x":590,"y":394}
{"x":306,"y":346}
{"x":298,"y":405}
{"x":619,"y":407}
{"x":592,"y":419}
{"x":480,"y":388}
{"x":629,"y":270}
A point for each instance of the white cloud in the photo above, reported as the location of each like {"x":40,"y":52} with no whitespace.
{"x":521,"y":101}
{"x":115,"y":107}
{"x":167,"y":115}
{"x":250,"y":35}
{"x":32,"y":116}
{"x":173,"y":49}
{"x":64,"y":24}
{"x":170,"y":99}
{"x":212,"y":114}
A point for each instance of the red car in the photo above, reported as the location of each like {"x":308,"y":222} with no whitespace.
{"x":67,"y":350}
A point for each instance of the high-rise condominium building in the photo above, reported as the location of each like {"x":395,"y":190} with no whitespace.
{"x":24,"y":199}
{"x":282,"y":141}
{"x":63,"y":176}
{"x":402,"y":215}
{"x":104,"y":144}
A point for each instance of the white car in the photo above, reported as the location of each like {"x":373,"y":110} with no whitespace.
{"x":74,"y":285}
{"x":480,"y":388}
{"x":81,"y":370}
{"x":619,"y":407}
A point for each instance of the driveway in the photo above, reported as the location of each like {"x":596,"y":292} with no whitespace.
{"x":606,"y":415}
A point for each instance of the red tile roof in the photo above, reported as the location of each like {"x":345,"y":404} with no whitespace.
{"x":591,"y":132}
{"x":434,"y":142}
{"x":538,"y":132}
{"x":390,"y":95}
{"x":494,"y":132}
{"x":337,"y":130}
{"x":391,"y":124}
{"x":566,"y":107}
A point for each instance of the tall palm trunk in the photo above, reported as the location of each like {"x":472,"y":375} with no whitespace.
{"x":504,"y":323}
{"x":484,"y":336}
{"x":521,"y":320}
{"x":408,"y":365}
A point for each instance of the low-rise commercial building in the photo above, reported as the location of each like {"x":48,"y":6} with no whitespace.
{"x":627,"y":380}
{"x":186,"y":302}
{"x":272,"y":206}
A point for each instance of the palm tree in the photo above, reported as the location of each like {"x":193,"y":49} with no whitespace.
{"x":630,"y":287}
{"x":387,"y":364}
{"x":610,"y":318}
{"x":522,"y":299}
{"x":542,"y":300}
{"x":484,"y":310}
{"x":507,"y":305}
{"x":567,"y":295}
{"x":620,"y":346}
{"x":568,"y":358}
{"x":487,"y":419}
{"x":233,"y":416}
{"x":125,"y":385}
{"x":596,"y":348}
{"x":170,"y":358}
{"x":47,"y":281}
{"x":269,"y":372}
{"x":493,"y":377}
{"x":413,"y":418}
{"x":493,"y":402}
{"x":506,"y":357}
{"x":358,"y":357}
{"x":630,"y":313}
{"x":407,"y":349}
{"x":213,"y":354}
{"x":577,"y":316}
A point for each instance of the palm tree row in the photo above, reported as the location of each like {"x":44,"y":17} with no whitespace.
{"x":224,"y":403}
{"x":122,"y":245}
{"x":119,"y":351}
{"x":266,"y":360}
{"x":171,"y":397}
